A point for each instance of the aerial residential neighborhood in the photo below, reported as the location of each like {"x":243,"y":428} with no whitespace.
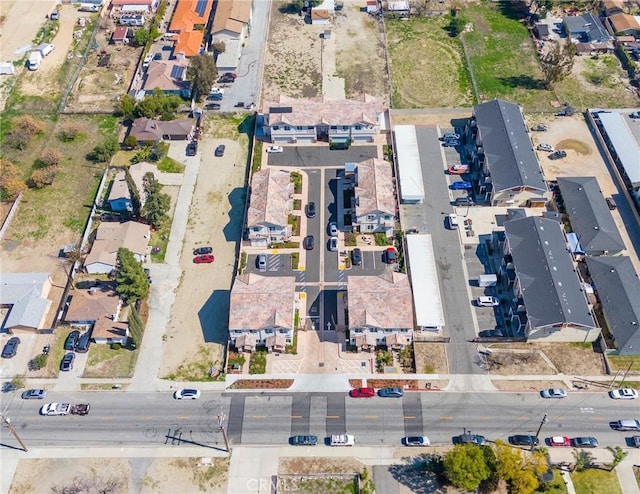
{"x":320,"y":246}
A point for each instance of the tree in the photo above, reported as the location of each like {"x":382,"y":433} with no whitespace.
{"x":23,"y":129}
{"x":157,"y":104}
{"x":11,"y":183}
{"x":518,"y":468}
{"x":218,"y":48}
{"x":43,"y":176}
{"x":619,"y":454}
{"x":141,"y":37}
{"x":135,"y":327}
{"x":583,"y":459}
{"x":134,"y":192}
{"x":150,"y":185}
{"x":466,"y":466}
{"x":70,"y":131}
{"x":127,"y":108}
{"x":51,"y":157}
{"x":456,"y":24}
{"x":105,"y":150}
{"x":155,"y":209}
{"x":203,"y":74}
{"x":557,"y":63}
{"x":130,"y":142}
{"x":18,"y":382}
{"x":132,"y":282}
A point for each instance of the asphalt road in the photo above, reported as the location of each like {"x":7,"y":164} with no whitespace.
{"x":156,"y":418}
{"x":316,"y":156}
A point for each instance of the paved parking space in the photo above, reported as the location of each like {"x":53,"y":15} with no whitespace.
{"x":301,"y":156}
{"x":372,"y":264}
{"x":277,"y":265}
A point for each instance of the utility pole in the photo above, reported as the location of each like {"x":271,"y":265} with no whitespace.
{"x":224,"y":431}
{"x":7,"y":421}
{"x":542,"y":422}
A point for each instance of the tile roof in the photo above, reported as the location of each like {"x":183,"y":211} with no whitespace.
{"x":189,"y":43}
{"x":190,"y":13}
{"x":259,"y":302}
{"x":363,"y":109}
{"x":231,"y":15}
{"x":380,"y":301}
{"x":132,"y":2}
{"x":550,"y":285}
{"x":94,"y":303}
{"x":146,"y":129}
{"x":590,"y":217}
{"x":375,"y":188}
{"x":111,"y":236}
{"x":271,"y":192}
{"x":623,"y":22}
{"x":120,"y":33}
{"x":319,"y":14}
{"x":167,"y":75}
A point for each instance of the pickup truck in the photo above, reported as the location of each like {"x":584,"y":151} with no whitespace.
{"x":342,"y":440}
{"x":81,"y":409}
{"x":56,"y":409}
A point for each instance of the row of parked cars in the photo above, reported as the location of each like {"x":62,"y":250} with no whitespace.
{"x":616,"y":394}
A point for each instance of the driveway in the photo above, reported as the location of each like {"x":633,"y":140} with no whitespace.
{"x":301,"y":156}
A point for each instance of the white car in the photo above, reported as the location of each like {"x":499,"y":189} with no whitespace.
{"x":333,"y":229}
{"x":416,"y":441}
{"x":545,"y":147}
{"x":333,"y":244}
{"x":553,"y":393}
{"x":275,"y":149}
{"x":624,"y":394}
{"x":217,"y":90}
{"x":487,"y":302}
{"x":55,"y":409}
{"x":187,"y":394}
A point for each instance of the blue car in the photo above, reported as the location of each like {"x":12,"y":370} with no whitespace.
{"x":390,"y":393}
{"x":461,"y":185}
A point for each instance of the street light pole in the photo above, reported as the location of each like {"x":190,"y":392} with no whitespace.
{"x":7,"y":421}
{"x":224,"y":431}
{"x":542,"y":422}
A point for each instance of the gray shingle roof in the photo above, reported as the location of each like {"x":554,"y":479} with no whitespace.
{"x":509,"y":152}
{"x":590,"y":217}
{"x":551,"y":288}
{"x":618,"y":289}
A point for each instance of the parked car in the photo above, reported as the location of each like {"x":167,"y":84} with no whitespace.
{"x":192,"y":148}
{"x":584,"y":442}
{"x":539,"y":128}
{"x":469,"y":439}
{"x":11,"y":347}
{"x":362,"y":393}
{"x":545,"y":147}
{"x":626,"y":425}
{"x":80,"y":409}
{"x":635,"y":441}
{"x":308,"y":242}
{"x":487,"y":301}
{"x":34,"y":394}
{"x":624,"y":394}
{"x":390,"y":393}
{"x":611,"y":204}
{"x":303,"y":440}
{"x":72,"y":340}
{"x":461,"y":185}
{"x":333,"y":244}
{"x":390,"y":256}
{"x":523,"y":440}
{"x":275,"y":149}
{"x":203,"y":250}
{"x":67,"y":362}
{"x":342,"y":440}
{"x":464,"y":201}
{"x":558,"y":155}
{"x":450,"y":143}
{"x":553,"y":393}
{"x":490,"y":333}
{"x":635,"y":114}
{"x":215,"y":97}
{"x":416,"y":441}
{"x":204,"y":259}
{"x":212,"y":106}
{"x":458,"y":169}
{"x":82,"y":346}
{"x":55,"y":409}
{"x":217,"y":90}
{"x":311,"y":210}
{"x":559,"y":441}
{"x":356,"y":257}
{"x":261,"y":262}
{"x":187,"y":394}
{"x":226,"y":80}
{"x":219,"y":152}
{"x":450,"y":136}
{"x":452,"y":220}
{"x":333,"y":229}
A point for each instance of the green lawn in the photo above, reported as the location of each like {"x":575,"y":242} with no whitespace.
{"x":594,"y":481}
{"x":623,"y":362}
{"x":502,"y":57}
{"x":103,"y":361}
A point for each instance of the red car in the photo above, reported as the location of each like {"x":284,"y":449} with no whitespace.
{"x":390,"y":255}
{"x":458,"y":169}
{"x":205,"y":258}
{"x":362,"y":393}
{"x":559,"y":441}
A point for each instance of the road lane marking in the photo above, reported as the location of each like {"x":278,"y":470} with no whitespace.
{"x":409,"y":417}
{"x":183,"y":417}
{"x":333,"y":416}
{"x":296,"y":416}
{"x":258,"y":416}
{"x":370,"y":416}
{"x":446,"y":418}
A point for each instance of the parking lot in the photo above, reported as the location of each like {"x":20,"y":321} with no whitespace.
{"x":321,"y":156}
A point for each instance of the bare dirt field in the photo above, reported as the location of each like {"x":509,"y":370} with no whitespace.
{"x":293,"y":63}
{"x":144,"y":475}
{"x":319,"y":465}
{"x":506,"y":385}
{"x":431,"y":358}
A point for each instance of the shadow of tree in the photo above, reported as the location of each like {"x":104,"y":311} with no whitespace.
{"x":523,"y":81}
{"x":516,"y":10}
{"x":415,"y":474}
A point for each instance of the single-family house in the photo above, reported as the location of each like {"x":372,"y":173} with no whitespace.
{"x":372,"y":6}
{"x":131,"y":6}
{"x":112,"y":236}
{"x":398,"y":7}
{"x":24,"y":298}
{"x":380,"y":311}
{"x":622,"y":24}
{"x":261,"y":312}
{"x":373,"y":208}
{"x":505,"y":154}
{"x":589,"y":216}
{"x":611,"y":7}
{"x":231,"y":26}
{"x":322,"y":119}
{"x":189,"y":21}
{"x":119,"y":198}
{"x":169,"y":76}
{"x":586,"y":28}
{"x":121,"y":35}
{"x":547,"y":300}
{"x":137,"y":172}
{"x":269,"y":207}
{"x":617,"y":289}
{"x":147,"y":130}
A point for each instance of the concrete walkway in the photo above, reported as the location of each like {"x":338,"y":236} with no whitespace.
{"x":626,"y":476}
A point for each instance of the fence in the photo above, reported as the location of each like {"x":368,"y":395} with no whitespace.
{"x":12,"y":212}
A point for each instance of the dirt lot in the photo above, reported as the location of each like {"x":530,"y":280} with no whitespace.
{"x":431,"y":358}
{"x":293,"y":58}
{"x":144,"y":475}
{"x":506,"y":385}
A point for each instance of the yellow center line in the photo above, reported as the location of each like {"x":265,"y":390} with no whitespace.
{"x":333,"y":416}
{"x":446,"y":418}
{"x":258,"y":416}
{"x":409,"y":417}
{"x":296,"y":416}
{"x":183,"y":417}
{"x":370,"y":416}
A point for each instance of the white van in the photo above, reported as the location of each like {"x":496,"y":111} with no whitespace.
{"x":453,"y":221}
{"x":342,"y":440}
{"x":33,"y":62}
{"x":45,"y":48}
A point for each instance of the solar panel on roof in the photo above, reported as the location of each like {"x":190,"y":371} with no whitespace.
{"x":280,"y":109}
{"x":176,"y":72}
{"x":201,"y":6}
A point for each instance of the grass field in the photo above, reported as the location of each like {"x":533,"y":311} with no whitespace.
{"x":593,"y":481}
{"x":622,"y":363}
{"x":103,"y":361}
{"x":427,"y":66}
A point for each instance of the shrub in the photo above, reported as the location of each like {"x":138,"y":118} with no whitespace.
{"x":51,"y":157}
{"x":70,"y":131}
{"x":43,"y":177}
{"x":11,"y":183}
{"x":130,"y":142}
{"x":38,"y":362}
{"x":116,"y":346}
